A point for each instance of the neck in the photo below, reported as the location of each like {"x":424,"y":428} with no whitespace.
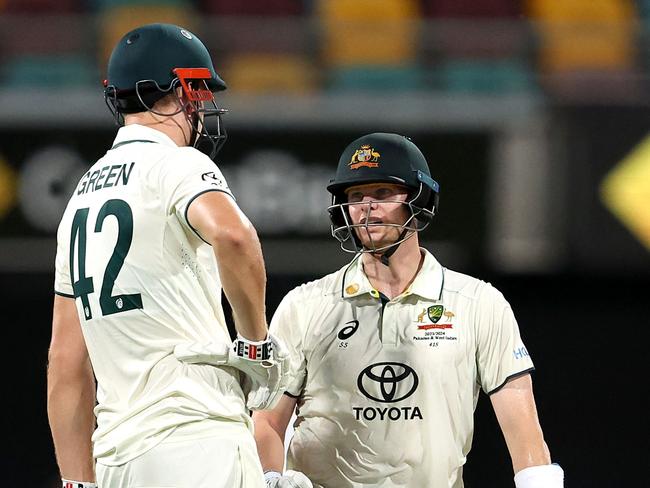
{"x":402,"y":268}
{"x":172,"y":126}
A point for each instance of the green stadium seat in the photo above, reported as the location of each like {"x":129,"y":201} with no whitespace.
{"x":503,"y":76}
{"x":375,"y":77}
{"x":59,"y":71}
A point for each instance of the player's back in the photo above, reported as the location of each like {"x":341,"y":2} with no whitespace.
{"x":144,"y":281}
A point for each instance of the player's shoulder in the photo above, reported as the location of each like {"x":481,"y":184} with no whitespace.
{"x":187,"y":155}
{"x":469,"y":287}
{"x":185,"y":161}
{"x":191,"y":153}
{"x":318,"y":289}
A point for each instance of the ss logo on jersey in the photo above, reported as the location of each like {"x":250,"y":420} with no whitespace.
{"x":346,"y":332}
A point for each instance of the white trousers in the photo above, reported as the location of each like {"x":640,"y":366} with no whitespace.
{"x":211,"y":462}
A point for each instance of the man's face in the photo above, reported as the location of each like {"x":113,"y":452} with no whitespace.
{"x":375,"y":207}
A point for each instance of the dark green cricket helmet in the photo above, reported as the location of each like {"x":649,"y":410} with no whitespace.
{"x":143,"y":63}
{"x":386,"y":158}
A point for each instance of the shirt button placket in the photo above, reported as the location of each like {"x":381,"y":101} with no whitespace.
{"x":389,"y":325}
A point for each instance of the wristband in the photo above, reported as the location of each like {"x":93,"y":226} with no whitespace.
{"x":271,"y":475}
{"x":253,"y":350}
{"x":545,"y":476}
{"x":78,"y":484}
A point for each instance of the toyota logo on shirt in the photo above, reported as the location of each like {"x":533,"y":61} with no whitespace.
{"x":388,"y":382}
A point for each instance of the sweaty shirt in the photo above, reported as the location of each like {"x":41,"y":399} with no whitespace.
{"x":387,"y":389}
{"x":143,"y":281}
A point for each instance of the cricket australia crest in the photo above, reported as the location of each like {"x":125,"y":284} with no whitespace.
{"x":434,"y":313}
{"x":365,"y":156}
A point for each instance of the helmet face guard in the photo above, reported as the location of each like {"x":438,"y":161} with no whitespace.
{"x":347,"y":232}
{"x":196,"y":95}
{"x":197,"y":111}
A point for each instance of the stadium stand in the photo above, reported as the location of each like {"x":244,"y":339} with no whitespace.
{"x":575,"y":48}
{"x":47,"y":49}
{"x":476,"y":46}
{"x":586,"y":47}
{"x":370,"y":44}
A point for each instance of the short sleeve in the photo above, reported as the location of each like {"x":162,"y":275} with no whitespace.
{"x":286,"y":324}
{"x":501,"y":353}
{"x":62,"y":278}
{"x":184,"y":175}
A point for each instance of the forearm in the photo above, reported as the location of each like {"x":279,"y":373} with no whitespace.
{"x":70,"y":403}
{"x":243,"y":278}
{"x":514,"y":406}
{"x":527,"y":454}
{"x":523,"y":435}
{"x":270,"y":446}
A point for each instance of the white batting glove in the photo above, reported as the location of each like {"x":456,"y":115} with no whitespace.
{"x":78,"y":484}
{"x":290,"y":479}
{"x":265,"y":365}
{"x":545,"y":476}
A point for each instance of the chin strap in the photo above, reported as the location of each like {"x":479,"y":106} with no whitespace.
{"x":194,"y":124}
{"x":385,"y":256}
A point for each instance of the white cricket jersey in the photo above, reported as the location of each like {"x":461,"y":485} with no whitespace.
{"x":387,"y":389}
{"x":144,"y":281}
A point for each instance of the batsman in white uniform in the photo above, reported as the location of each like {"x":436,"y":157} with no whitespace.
{"x":148,"y":239}
{"x":389,"y":354}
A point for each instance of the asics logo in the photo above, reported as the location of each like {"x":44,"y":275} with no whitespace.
{"x":347,"y":332}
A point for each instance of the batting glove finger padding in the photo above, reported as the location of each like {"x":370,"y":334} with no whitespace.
{"x":264,"y":364}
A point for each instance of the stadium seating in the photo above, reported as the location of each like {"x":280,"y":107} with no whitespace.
{"x":270,"y":73}
{"x":487,"y":9}
{"x":376,"y":78}
{"x":587,"y":49}
{"x":490,"y":76}
{"x":584,"y":34}
{"x":105,"y":5}
{"x":48,"y":49}
{"x":264,"y":8}
{"x":302,"y":46}
{"x":262,"y":54}
{"x":50,"y":71}
{"x":42,"y":6}
{"x":369,"y":44}
{"x":368,"y":32}
{"x":476,"y":46}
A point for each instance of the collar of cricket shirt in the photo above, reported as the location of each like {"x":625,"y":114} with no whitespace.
{"x":427,"y":284}
{"x":429,"y":281}
{"x":355,"y":282}
{"x":140,"y":133}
